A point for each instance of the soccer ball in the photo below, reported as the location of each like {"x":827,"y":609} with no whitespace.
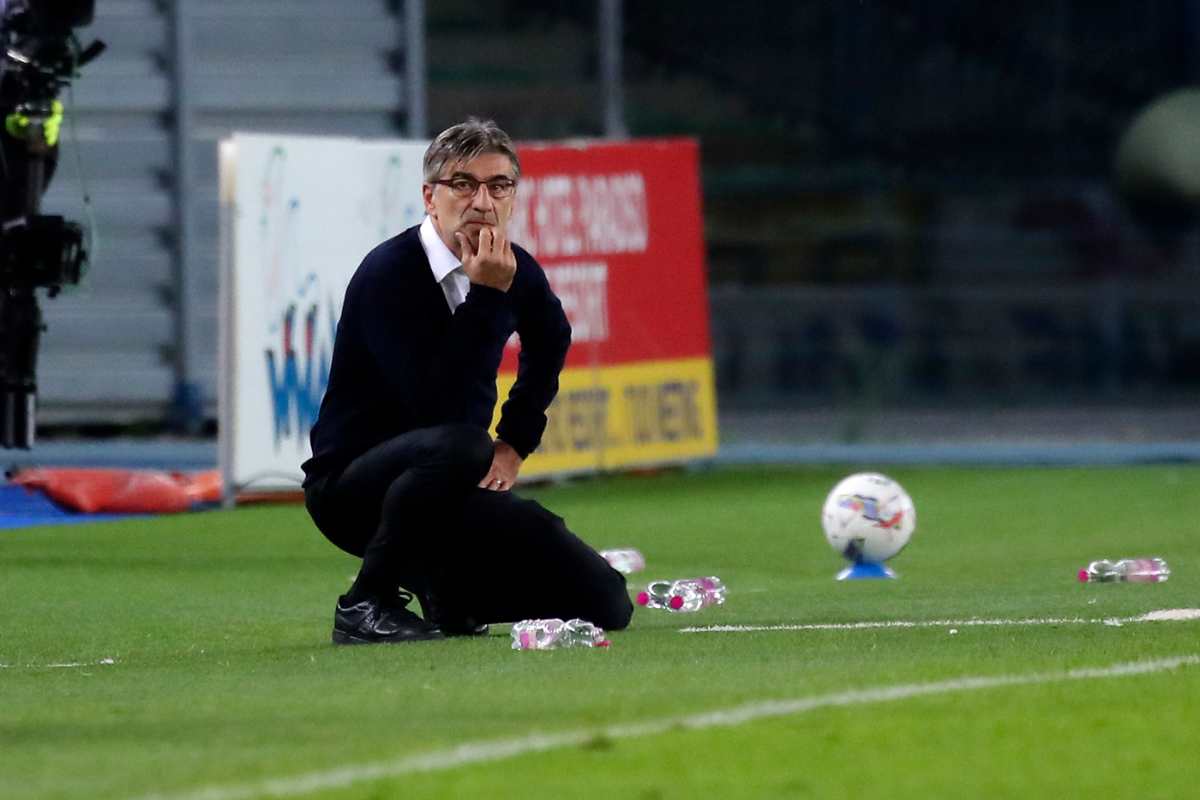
{"x":868,"y":517}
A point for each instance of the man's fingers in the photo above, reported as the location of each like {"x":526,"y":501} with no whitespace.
{"x":499,"y":245}
{"x":494,"y":484}
{"x":492,"y":261}
{"x":465,"y":245}
{"x":502,"y":249}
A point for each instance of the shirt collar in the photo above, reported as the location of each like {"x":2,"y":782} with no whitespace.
{"x":441,"y":260}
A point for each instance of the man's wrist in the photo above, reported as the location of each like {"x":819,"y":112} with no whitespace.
{"x":516,"y":450}
{"x":484,"y":293}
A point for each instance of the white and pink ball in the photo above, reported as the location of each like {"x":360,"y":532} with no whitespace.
{"x":868,"y":517}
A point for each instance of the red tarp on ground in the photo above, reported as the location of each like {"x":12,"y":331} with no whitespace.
{"x":127,"y":491}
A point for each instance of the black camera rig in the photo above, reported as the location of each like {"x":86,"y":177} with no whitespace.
{"x":40,"y":56}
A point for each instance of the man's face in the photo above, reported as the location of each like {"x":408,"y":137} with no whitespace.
{"x":453,"y":214}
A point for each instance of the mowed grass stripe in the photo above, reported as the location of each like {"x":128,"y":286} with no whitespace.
{"x":489,"y":751}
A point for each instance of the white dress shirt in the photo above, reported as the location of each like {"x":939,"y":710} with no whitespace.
{"x":447,"y":270}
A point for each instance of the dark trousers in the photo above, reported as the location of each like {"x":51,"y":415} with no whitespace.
{"x":410,"y":507}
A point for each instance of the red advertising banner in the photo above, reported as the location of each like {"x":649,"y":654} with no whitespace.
{"x":618,"y":229}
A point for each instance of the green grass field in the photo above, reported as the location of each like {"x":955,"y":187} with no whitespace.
{"x":223,"y":683}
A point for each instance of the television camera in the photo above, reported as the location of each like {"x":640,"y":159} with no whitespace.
{"x":41,"y":56}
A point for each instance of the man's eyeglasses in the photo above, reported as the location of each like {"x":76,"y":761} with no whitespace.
{"x":463,"y":186}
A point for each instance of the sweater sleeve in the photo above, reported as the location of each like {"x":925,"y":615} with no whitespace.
{"x":545,"y":338}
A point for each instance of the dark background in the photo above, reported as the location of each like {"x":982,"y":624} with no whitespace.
{"x":916,"y":200}
{"x":908,"y":206}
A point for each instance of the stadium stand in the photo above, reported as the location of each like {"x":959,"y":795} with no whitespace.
{"x":110,"y":352}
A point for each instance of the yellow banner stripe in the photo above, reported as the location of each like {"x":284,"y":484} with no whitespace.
{"x":652,"y":412}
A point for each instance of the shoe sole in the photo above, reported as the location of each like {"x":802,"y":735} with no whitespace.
{"x":341,"y":637}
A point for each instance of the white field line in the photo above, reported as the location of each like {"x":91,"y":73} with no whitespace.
{"x":498,"y":749}
{"x":1166,"y":614}
{"x":1163,"y":615}
{"x":104,"y":662}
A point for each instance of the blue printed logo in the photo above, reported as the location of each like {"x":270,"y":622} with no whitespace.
{"x":298,"y":380}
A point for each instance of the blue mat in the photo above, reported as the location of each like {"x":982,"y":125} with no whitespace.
{"x":21,"y":508}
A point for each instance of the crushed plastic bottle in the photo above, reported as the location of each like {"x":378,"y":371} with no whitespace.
{"x":683,"y":596}
{"x":655,"y":595}
{"x":625,"y":559}
{"x":554,"y":634}
{"x":1133,"y":570}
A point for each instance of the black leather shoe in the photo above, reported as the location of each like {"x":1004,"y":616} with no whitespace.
{"x":372,"y":621}
{"x":451,"y":622}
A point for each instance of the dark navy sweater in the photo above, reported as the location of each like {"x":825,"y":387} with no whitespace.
{"x":402,"y":361}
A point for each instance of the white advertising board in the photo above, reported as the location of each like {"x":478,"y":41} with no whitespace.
{"x":298,"y":214}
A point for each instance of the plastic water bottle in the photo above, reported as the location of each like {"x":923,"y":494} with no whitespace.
{"x":683,"y":596}
{"x":553,"y":634}
{"x":1134,"y":570}
{"x":625,"y":559}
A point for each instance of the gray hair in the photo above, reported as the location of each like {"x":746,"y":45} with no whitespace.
{"x":465,"y":141}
